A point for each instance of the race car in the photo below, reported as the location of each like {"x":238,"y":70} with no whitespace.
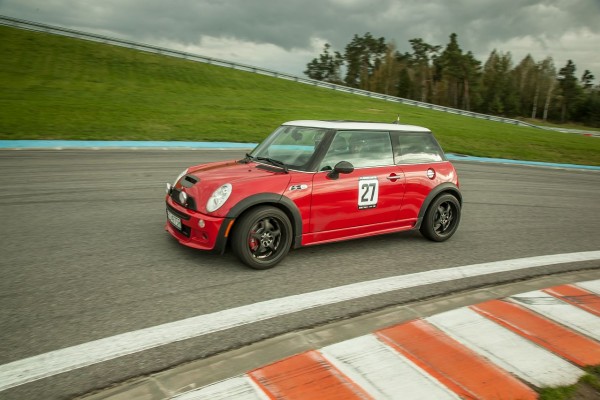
{"x":313,"y":182}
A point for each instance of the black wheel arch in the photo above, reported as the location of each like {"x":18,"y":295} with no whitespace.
{"x":261,"y":199}
{"x":447,"y":187}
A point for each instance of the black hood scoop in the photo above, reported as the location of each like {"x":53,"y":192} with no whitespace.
{"x":189,"y":181}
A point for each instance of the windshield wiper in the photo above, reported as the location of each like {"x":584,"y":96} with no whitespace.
{"x":246,"y":159}
{"x":277,"y":163}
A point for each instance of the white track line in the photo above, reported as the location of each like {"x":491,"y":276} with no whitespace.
{"x":55,"y":362}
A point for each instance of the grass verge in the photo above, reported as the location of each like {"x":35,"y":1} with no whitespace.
{"x":588,"y":388}
{"x":53,"y":87}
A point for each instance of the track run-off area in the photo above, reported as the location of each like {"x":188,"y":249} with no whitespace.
{"x":95,"y":292}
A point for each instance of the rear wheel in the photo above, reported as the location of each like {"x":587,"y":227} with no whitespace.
{"x":442,"y":218}
{"x":262,"y":237}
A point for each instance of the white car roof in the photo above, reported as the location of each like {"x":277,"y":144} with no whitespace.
{"x":352,"y":125}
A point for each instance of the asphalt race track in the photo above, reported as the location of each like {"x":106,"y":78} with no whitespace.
{"x":85,"y":256}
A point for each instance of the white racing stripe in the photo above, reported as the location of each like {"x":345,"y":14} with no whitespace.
{"x":55,"y":362}
{"x":506,"y":349}
{"x":561,"y":312}
{"x":383,"y":372}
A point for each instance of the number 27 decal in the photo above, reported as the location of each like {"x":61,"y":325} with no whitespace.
{"x":368,"y":192}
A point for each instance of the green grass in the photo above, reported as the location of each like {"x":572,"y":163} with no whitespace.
{"x":588,"y":387}
{"x":53,"y":87}
{"x":560,"y":393}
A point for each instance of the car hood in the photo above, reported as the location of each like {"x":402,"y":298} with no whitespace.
{"x":246,"y":180}
{"x":233,"y":171}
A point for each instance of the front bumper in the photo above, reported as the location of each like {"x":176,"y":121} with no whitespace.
{"x":212,"y":236}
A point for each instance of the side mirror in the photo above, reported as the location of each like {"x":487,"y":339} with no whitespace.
{"x":343,"y":167}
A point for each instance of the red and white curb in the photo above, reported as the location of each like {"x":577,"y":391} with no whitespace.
{"x":499,"y":349}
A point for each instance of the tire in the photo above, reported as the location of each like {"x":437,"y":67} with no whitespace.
{"x":262,"y":237}
{"x":442,"y":218}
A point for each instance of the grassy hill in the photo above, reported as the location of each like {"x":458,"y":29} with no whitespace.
{"x":53,"y":87}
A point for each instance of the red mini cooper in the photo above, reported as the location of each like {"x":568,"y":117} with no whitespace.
{"x":313,"y":182}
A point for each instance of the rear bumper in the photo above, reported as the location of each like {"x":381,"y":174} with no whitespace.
{"x":211,"y":237}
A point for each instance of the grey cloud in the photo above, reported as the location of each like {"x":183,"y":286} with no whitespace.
{"x":294,"y":24}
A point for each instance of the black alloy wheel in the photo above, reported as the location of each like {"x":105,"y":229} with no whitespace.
{"x":442,"y":218}
{"x":262,"y":237}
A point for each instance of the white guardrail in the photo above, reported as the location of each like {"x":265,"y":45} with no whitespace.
{"x":39,"y":27}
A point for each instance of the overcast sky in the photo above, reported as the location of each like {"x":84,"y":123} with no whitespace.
{"x":284,"y":35}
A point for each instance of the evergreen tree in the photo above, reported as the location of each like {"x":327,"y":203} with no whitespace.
{"x":450,"y":63}
{"x":586,"y":79}
{"x":460,"y":71}
{"x":525,"y":78}
{"x":421,"y":58}
{"x":456,"y":79}
{"x":471,"y":79}
{"x":405,"y":85}
{"x":500,"y":91}
{"x":570,"y":90}
{"x":589,"y":108}
{"x":363,"y":56}
{"x":326,"y":67}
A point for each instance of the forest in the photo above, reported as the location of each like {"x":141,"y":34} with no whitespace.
{"x":449,"y":76}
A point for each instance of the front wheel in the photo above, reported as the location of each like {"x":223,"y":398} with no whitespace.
{"x":441,"y":219}
{"x":262,"y":237}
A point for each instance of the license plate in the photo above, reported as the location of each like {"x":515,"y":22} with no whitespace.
{"x":174,"y":220}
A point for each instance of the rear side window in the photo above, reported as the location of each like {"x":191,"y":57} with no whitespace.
{"x":416,"y":148}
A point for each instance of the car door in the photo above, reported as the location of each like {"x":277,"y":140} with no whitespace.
{"x":366,"y":198}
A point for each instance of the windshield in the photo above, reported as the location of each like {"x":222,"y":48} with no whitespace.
{"x":294,"y":146}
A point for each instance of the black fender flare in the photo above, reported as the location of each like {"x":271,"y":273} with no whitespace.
{"x":447,"y":187}
{"x":284,"y":203}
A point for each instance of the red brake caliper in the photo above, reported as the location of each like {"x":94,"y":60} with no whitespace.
{"x":253,"y":242}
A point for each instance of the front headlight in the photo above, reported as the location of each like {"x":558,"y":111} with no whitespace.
{"x":181,"y":175}
{"x":218,"y":198}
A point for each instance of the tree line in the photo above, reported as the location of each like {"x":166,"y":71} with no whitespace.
{"x":451,"y":77}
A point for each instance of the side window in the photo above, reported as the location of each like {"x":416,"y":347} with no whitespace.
{"x":416,"y":148}
{"x":361,"y":148}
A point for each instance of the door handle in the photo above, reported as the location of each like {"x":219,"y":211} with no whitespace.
{"x":393,"y":177}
